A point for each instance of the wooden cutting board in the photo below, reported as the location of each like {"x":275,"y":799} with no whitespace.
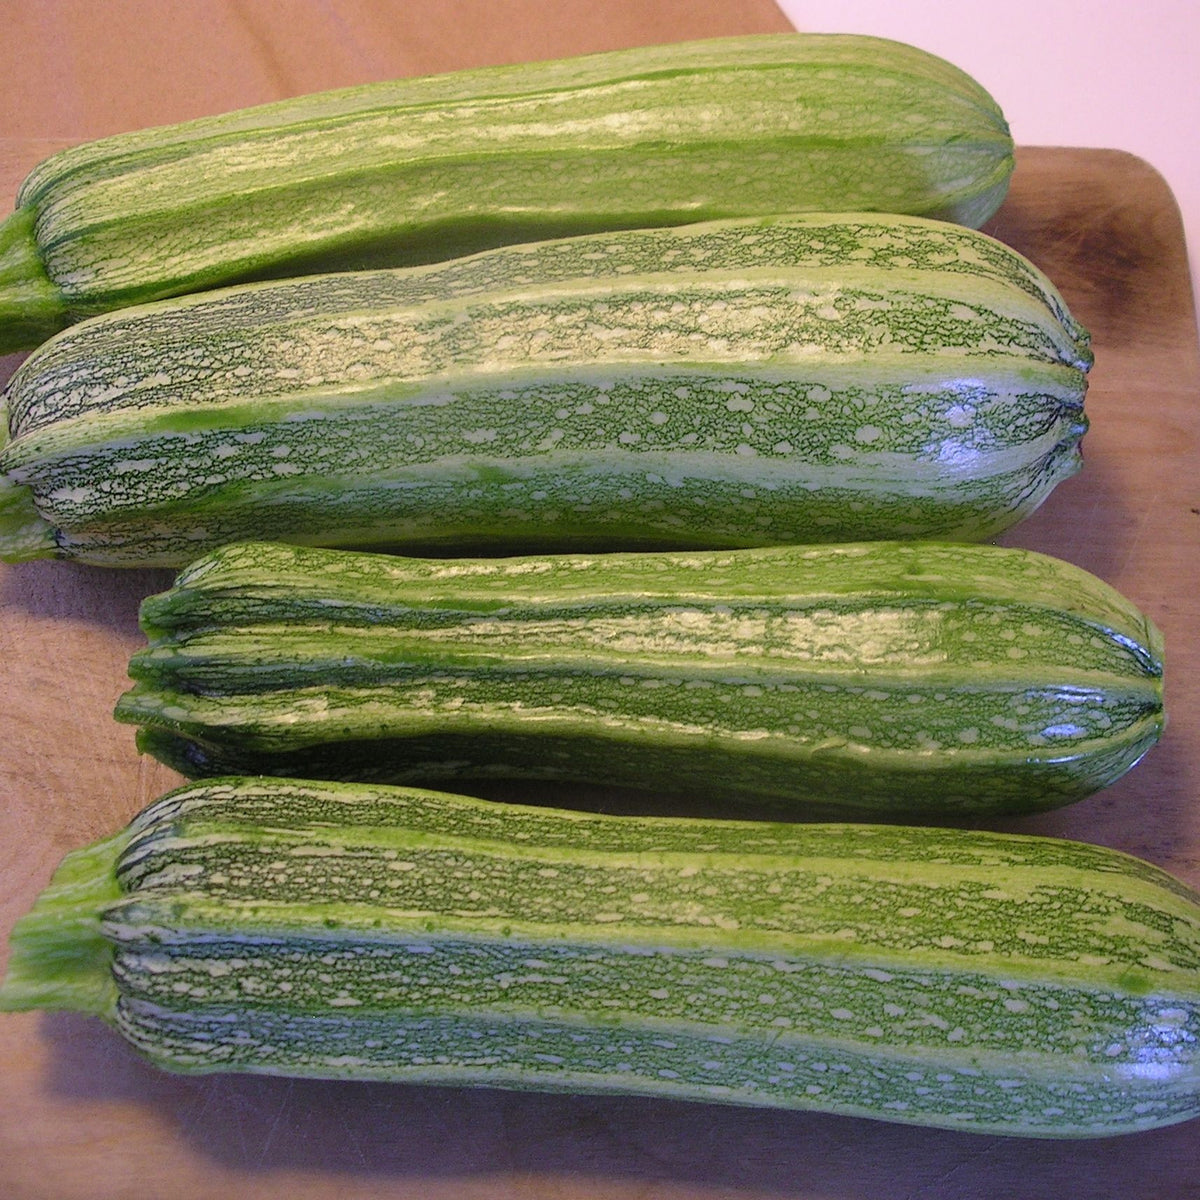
{"x":82,"y":1117}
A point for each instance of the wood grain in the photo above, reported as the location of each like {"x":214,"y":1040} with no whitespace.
{"x":82,"y":1117}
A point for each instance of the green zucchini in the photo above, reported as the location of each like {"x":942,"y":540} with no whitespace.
{"x":997,"y":983}
{"x":793,"y":379}
{"x":424,"y":169}
{"x":882,"y":678}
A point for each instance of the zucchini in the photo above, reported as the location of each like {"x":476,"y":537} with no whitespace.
{"x":996,"y":983}
{"x":882,"y":678}
{"x":424,"y":169}
{"x":819,"y":377}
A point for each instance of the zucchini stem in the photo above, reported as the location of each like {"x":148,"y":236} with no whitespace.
{"x":31,"y":306}
{"x":24,"y":533}
{"x":59,"y":957}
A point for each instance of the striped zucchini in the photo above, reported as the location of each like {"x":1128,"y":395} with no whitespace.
{"x":424,"y":169}
{"x":804,"y":378}
{"x":996,"y":983}
{"x":887,"y":678}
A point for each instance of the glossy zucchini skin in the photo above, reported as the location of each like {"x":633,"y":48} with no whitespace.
{"x":424,"y":169}
{"x":811,"y":377}
{"x":879,"y":678}
{"x":996,"y":983}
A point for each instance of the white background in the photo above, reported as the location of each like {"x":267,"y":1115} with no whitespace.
{"x":1123,"y":75}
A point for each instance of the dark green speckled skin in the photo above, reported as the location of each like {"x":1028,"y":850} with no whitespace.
{"x":887,"y":678}
{"x":792,"y":379}
{"x":418,"y":170}
{"x":999,"y":983}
